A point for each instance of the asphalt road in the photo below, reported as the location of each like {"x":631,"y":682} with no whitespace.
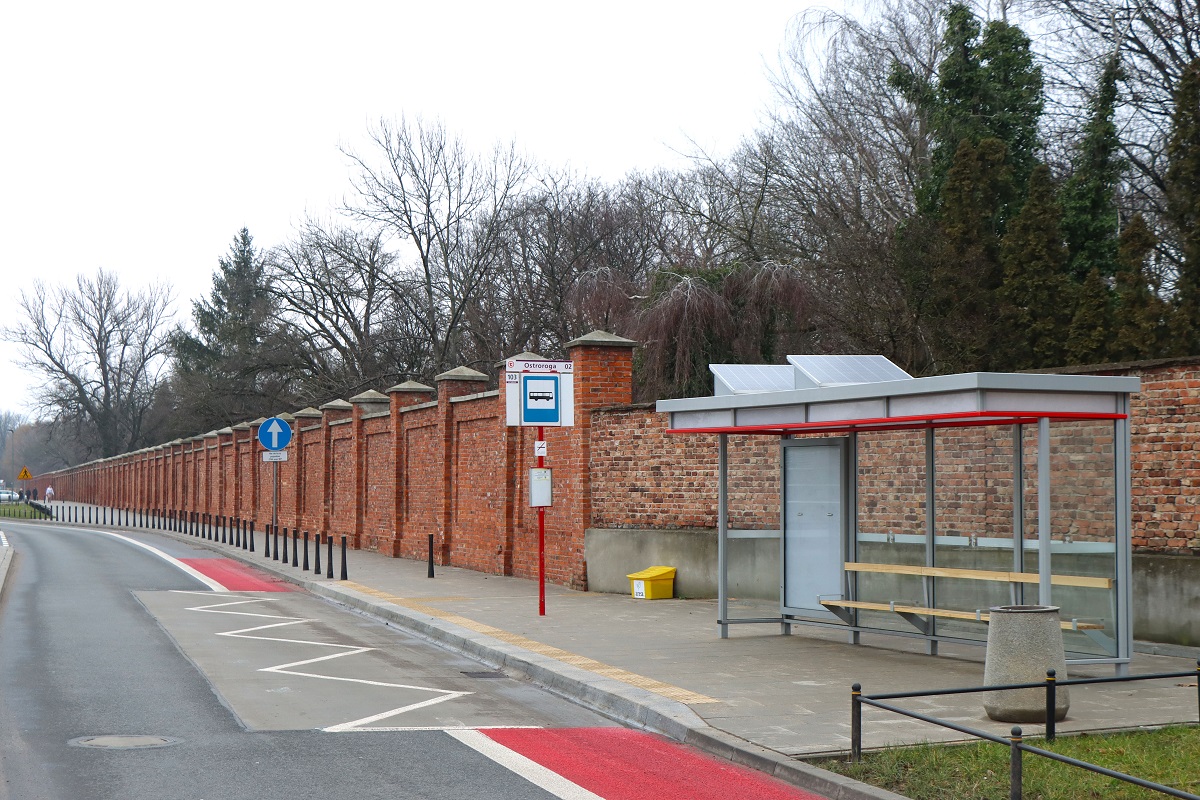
{"x":97,"y":639}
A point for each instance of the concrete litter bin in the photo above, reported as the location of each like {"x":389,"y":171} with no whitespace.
{"x":1023,"y":642}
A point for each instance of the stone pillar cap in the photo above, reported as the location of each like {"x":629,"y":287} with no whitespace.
{"x":242,"y":426}
{"x":337,"y":405}
{"x":369,"y":397}
{"x":526,"y":356}
{"x":461,"y":374}
{"x":307,"y":413}
{"x":601,"y":339}
{"x":410,"y":386}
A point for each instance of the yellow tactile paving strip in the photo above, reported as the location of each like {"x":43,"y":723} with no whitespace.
{"x":421,"y":604}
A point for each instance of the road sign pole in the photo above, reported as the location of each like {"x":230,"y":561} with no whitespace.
{"x":541,"y":538}
{"x":275,"y":496}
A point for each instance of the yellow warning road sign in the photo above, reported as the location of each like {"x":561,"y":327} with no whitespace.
{"x":24,"y":476}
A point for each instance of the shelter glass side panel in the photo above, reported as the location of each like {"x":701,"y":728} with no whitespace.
{"x":973,"y":502}
{"x":892,"y":522}
{"x":1083,"y":530}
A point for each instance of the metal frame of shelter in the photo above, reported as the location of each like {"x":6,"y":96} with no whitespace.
{"x":850,"y":395}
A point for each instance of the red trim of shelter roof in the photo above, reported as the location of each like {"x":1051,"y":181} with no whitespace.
{"x":966,"y":419}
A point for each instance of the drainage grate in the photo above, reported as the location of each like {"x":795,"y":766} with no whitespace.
{"x":489,"y":674}
{"x":123,"y":742}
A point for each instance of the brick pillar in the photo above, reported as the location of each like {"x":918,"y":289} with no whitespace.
{"x":402,"y":396}
{"x":457,"y":382}
{"x":242,"y":445}
{"x":603,"y":366}
{"x":333,"y":411}
{"x":307,"y":499}
{"x":367,"y":403}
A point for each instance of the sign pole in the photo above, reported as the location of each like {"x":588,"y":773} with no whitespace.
{"x":541,"y":537}
{"x":275,"y":496}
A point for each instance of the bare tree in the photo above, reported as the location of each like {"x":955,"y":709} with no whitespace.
{"x":450,"y":206}
{"x":100,"y":351}
{"x":336,"y":291}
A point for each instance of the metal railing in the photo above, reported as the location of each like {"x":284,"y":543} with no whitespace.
{"x":1014,"y":740}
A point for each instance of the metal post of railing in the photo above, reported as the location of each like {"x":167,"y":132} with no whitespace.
{"x":856,"y":723}
{"x":1051,"y":690}
{"x":1014,"y":764}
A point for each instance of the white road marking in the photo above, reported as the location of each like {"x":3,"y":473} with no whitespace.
{"x":528,"y":769}
{"x":207,"y":581}
{"x":350,"y":650}
{"x":3,"y":540}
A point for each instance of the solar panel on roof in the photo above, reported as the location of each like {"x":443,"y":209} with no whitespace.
{"x":815,"y":371}
{"x":748,"y":378}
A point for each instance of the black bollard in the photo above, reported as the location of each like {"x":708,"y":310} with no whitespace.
{"x":224,"y":527}
{"x":296,"y":547}
{"x":329,"y":566}
{"x":285,"y":538}
{"x":266,"y":541}
{"x":236,"y":536}
{"x":251,"y":532}
{"x":430,"y":575}
{"x":305,"y":567}
{"x":317,"y":554}
{"x":275,"y":534}
{"x":344,"y":558}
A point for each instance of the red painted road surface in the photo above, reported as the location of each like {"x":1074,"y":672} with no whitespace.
{"x":620,"y":764}
{"x":236,"y":576}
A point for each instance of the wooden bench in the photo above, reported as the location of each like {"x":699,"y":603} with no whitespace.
{"x":906,"y":611}
{"x":1086,"y":581}
{"x":915,"y":613}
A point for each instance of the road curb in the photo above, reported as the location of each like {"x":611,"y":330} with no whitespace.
{"x":608,"y":696}
{"x":6,"y":556}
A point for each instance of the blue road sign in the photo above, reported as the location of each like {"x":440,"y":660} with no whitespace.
{"x":274,"y":434}
{"x":540,"y":399}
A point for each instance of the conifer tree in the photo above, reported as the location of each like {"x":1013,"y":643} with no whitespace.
{"x":1088,"y":198}
{"x":1036,"y":291}
{"x":1140,"y":313}
{"x":1183,"y":203}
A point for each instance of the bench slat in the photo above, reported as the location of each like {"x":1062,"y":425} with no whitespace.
{"x":983,"y":616}
{"x":1087,"y":581}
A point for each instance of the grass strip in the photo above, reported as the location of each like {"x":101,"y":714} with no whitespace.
{"x":980,"y":771}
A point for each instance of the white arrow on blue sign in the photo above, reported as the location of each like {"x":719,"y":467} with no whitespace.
{"x":274,"y":434}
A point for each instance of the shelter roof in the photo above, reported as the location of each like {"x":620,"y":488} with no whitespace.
{"x":870,"y":393}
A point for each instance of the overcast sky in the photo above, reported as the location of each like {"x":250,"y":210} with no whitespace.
{"x":140,"y":137}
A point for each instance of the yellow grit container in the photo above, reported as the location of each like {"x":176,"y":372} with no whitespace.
{"x":653,"y":583}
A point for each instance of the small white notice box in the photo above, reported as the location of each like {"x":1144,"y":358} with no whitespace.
{"x":539,"y":488}
{"x":275,"y":455}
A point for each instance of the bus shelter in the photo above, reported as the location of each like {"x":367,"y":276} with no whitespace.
{"x":911,"y":506}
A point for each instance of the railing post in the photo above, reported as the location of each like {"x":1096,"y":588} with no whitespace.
{"x":1014,"y":764}
{"x":856,"y":723}
{"x":1051,"y":691}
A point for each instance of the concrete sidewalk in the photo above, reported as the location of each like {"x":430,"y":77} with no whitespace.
{"x":758,"y":697}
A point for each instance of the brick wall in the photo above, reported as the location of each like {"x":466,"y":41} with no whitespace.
{"x":386,"y":471}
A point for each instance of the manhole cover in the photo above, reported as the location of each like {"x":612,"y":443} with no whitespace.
{"x":123,"y":742}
